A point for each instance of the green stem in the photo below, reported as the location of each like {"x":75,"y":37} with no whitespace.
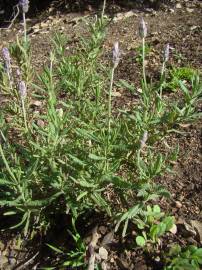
{"x":110,"y":103}
{"x":103,"y":8}
{"x":109,"y":117}
{"x":25,"y":28}
{"x":143,"y":63}
{"x":24,"y":114}
{"x":162,"y":77}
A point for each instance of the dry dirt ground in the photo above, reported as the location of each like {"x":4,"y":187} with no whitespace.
{"x":178,"y":24}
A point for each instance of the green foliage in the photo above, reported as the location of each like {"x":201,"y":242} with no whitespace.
{"x":66,"y":146}
{"x":74,"y":258}
{"x":185,"y":74}
{"x":153,"y":223}
{"x":189,"y":258}
{"x":139,"y":57}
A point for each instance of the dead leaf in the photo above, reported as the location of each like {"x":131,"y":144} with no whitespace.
{"x":108,"y":238}
{"x":116,"y":94}
{"x":184,"y":125}
{"x":36,"y":103}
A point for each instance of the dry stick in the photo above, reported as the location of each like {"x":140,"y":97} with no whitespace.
{"x":14,"y":18}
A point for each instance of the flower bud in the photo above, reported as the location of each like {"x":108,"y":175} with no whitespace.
{"x":22,"y":89}
{"x":142,"y":29}
{"x":143,"y":140}
{"x":7,"y":59}
{"x":24,"y":4}
{"x":6,"y":55}
{"x":60,"y":112}
{"x":116,"y":54}
{"x":166,"y":52}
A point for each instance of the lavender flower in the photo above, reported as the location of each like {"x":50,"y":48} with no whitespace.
{"x":166,"y":52}
{"x":142,"y":29}
{"x":116,"y":54}
{"x":18,"y":73}
{"x":22,"y":90}
{"x":7,"y":64}
{"x":6,"y":55}
{"x":6,"y":58}
{"x":143,"y":140}
{"x":24,"y":4}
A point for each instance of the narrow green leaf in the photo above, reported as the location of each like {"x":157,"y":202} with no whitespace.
{"x":95,"y":157}
{"x":57,"y":250}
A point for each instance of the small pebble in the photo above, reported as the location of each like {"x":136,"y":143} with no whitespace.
{"x":178,"y":204}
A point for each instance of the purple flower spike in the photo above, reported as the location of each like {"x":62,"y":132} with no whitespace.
{"x":116,"y":54}
{"x":22,"y":89}
{"x":6,"y":55}
{"x":7,"y":60}
{"x":143,"y":140}
{"x":166,"y":52}
{"x":142,"y":29}
{"x":24,"y":4}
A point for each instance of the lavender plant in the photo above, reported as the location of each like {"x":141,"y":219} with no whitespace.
{"x":79,"y":147}
{"x":24,"y":4}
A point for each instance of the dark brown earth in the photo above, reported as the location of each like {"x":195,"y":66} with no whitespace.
{"x":180,"y":25}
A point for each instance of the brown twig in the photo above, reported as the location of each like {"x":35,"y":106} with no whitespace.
{"x":14,"y":18}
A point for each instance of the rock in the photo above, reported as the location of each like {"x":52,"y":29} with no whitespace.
{"x":171,"y":10}
{"x":178,"y":6}
{"x":198,"y":227}
{"x":124,"y":15}
{"x":190,"y":10}
{"x":102,"y":229}
{"x":103,"y":253}
{"x":186,"y":230}
{"x":108,"y":238}
{"x":194,"y":27}
{"x":178,"y":204}
{"x":192,"y":241}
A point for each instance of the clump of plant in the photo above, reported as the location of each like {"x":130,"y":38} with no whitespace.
{"x":153,"y":224}
{"x":188,"y":258}
{"x":185,"y":74}
{"x":66,"y":146}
